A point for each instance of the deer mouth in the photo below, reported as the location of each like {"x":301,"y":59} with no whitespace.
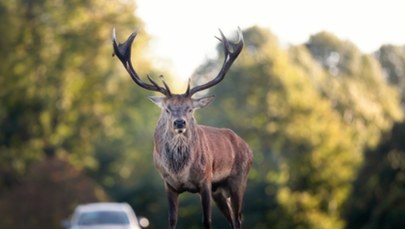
{"x":180,"y":130}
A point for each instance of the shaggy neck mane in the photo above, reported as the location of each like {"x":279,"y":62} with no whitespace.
{"x":176,"y":148}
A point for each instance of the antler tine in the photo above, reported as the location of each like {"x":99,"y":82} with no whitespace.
{"x":156,"y":85}
{"x":123,"y":52}
{"x":188,"y":86}
{"x":231,"y":52}
{"x":166,"y":86}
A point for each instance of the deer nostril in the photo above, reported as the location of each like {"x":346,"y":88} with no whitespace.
{"x":179,"y":124}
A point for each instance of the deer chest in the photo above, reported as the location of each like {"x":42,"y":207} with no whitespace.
{"x":175,"y":159}
{"x":176,"y":170}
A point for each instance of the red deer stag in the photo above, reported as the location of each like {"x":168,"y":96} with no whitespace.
{"x":195,"y":158}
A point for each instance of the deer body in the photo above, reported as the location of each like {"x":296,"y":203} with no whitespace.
{"x":205,"y":160}
{"x":195,"y":158}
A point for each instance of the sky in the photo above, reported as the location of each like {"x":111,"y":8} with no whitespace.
{"x":183,"y":32}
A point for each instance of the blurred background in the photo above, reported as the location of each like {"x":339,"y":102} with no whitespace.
{"x":323,"y":117}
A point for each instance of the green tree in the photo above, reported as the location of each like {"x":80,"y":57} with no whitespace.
{"x":355,"y":84}
{"x":57,"y":89}
{"x":392,"y":60}
{"x":62,"y":92}
{"x":378,"y":197}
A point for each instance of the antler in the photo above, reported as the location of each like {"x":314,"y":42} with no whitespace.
{"x":123,"y":52}
{"x":229,"y":58}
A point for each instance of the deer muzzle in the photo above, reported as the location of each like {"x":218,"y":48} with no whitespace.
{"x":179,"y":126}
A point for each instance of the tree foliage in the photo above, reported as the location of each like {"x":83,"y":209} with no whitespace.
{"x":62,"y":92}
{"x":392,"y":60}
{"x":355,"y":84}
{"x":378,"y":197}
{"x":55,"y":78}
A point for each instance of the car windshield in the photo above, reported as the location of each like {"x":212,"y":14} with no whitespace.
{"x":103,"y":217}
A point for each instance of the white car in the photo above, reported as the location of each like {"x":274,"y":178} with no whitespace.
{"x":103,"y":216}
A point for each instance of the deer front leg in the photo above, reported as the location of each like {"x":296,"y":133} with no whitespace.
{"x":172,"y":198}
{"x":206,"y":204}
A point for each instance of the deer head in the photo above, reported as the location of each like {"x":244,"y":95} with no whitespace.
{"x":177,"y":109}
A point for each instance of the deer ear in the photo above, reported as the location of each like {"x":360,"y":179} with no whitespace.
{"x":203,"y":102}
{"x":158,"y":100}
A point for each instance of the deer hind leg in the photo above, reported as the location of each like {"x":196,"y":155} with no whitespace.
{"x":224,"y":205}
{"x":237,"y":190}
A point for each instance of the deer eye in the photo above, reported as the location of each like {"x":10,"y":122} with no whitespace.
{"x":167,"y":111}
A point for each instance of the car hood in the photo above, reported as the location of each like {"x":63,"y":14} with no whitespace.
{"x":103,"y":227}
